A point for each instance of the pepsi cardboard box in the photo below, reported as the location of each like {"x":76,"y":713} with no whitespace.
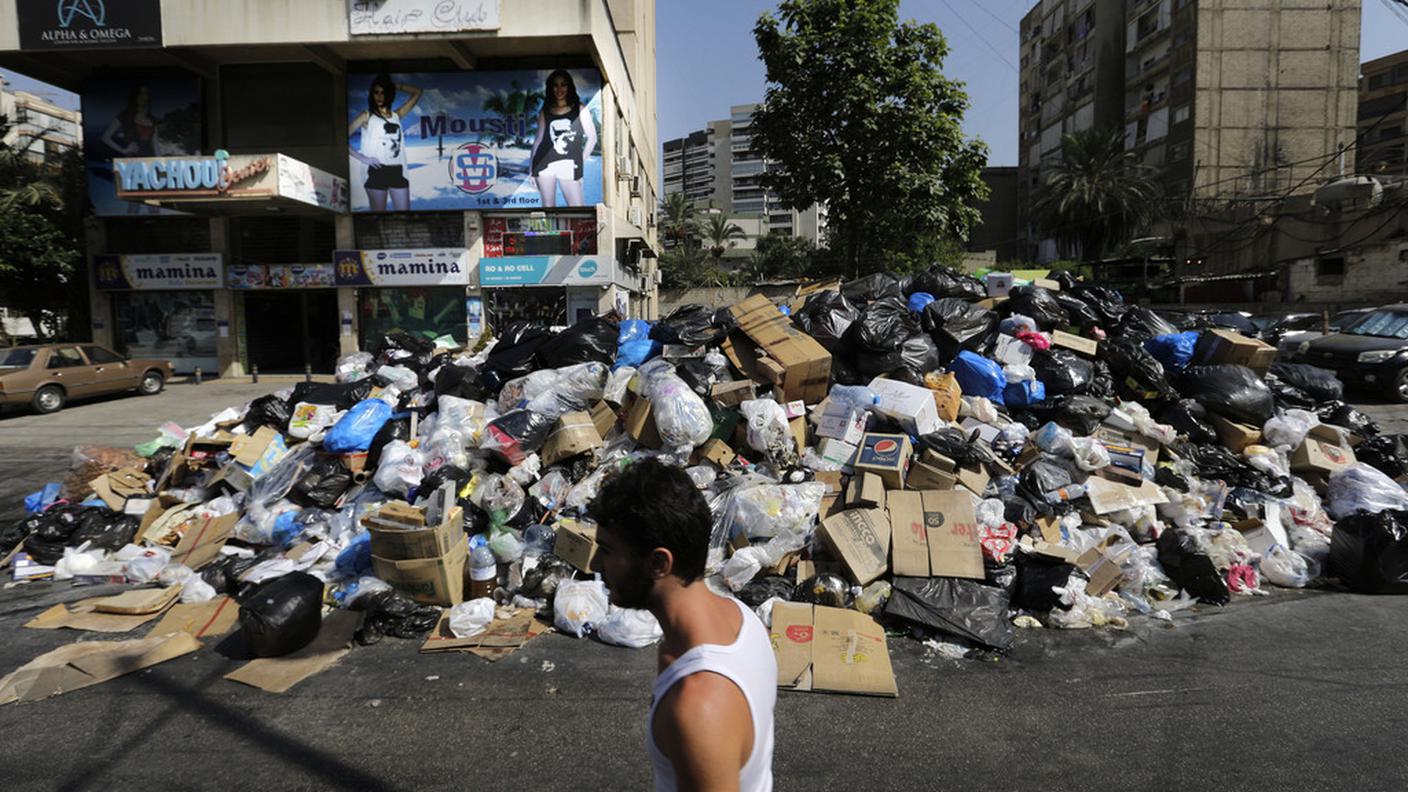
{"x":885,"y":455}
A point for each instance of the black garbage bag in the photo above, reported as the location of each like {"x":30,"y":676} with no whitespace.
{"x":341,"y":395}
{"x":876,"y":364}
{"x":16,"y":532}
{"x":223,"y":574}
{"x":883,"y":326}
{"x":1039,"y":304}
{"x":918,"y":356}
{"x":460,"y":381}
{"x":1102,"y":382}
{"x":1138,"y":374}
{"x":104,"y":529}
{"x":764,"y":587}
{"x":514,"y":354}
{"x":47,"y":533}
{"x":699,"y":376}
{"x":1063,"y":372}
{"x":517,"y":433}
{"x":1289,"y":397}
{"x":590,"y":341}
{"x":398,"y":428}
{"x":323,"y":483}
{"x":1213,"y":461}
{"x":1106,"y":303}
{"x":282,"y":615}
{"x":1187,"y":417}
{"x":825,"y":317}
{"x":1044,"y":474}
{"x":1078,"y":312}
{"x":270,"y":411}
{"x":693,"y":325}
{"x":395,"y":614}
{"x":1191,"y":568}
{"x":844,"y":370}
{"x":958,"y":607}
{"x":876,"y":286}
{"x":436,"y":478}
{"x":1065,"y":279}
{"x":1369,"y":552}
{"x":1387,"y":453}
{"x":942,"y":281}
{"x":1337,"y":413}
{"x":957,"y":325}
{"x":824,"y":589}
{"x":1018,"y":510}
{"x":956,"y":444}
{"x":1321,"y":384}
{"x":1036,"y":577}
{"x":1234,"y":392}
{"x":1082,"y":414}
{"x":1140,"y":323}
{"x":400,"y":340}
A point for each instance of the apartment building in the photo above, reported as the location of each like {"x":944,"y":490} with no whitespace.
{"x":42,"y":129}
{"x":1383,"y":116}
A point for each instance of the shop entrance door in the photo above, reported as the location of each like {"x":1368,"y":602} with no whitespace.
{"x":287,"y":330}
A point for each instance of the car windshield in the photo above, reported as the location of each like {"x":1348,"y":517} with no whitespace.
{"x":16,"y":358}
{"x":1381,"y":324}
{"x":1339,"y":321}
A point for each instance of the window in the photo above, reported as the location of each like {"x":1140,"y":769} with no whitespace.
{"x":65,"y":357}
{"x":21,"y":114}
{"x":1330,"y":270}
{"x":277,"y":105}
{"x":1183,"y":75}
{"x":17,"y":358}
{"x":1378,"y":81}
{"x":98,"y":355}
{"x":1180,"y":114}
{"x":1178,"y":151}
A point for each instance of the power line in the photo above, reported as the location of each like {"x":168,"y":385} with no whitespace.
{"x":999,"y":19}
{"x":980,"y":36}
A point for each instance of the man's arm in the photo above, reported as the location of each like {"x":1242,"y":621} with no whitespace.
{"x":703,"y":725}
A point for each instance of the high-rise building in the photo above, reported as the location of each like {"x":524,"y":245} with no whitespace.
{"x":37,"y":126}
{"x":1383,"y":116}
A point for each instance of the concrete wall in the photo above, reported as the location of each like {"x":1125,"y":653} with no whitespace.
{"x":1374,"y":274}
{"x":720,"y":297}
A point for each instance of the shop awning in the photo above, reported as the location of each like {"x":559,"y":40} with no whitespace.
{"x":224,"y":183}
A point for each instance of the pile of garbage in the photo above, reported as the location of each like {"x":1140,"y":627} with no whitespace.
{"x":941,"y":456}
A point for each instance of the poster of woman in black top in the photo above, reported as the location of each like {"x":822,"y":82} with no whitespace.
{"x":566,"y":134}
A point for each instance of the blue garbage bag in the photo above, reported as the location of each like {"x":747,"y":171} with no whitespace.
{"x":287,"y":528}
{"x":635,"y":353}
{"x":355,"y":430}
{"x":632,"y":330}
{"x":918,"y":300}
{"x":1025,"y":393}
{"x":978,"y":376}
{"x":1174,"y":350}
{"x":355,"y":560}
{"x":40,"y":500}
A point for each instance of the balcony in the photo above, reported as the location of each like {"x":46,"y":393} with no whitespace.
{"x":1149,"y":67}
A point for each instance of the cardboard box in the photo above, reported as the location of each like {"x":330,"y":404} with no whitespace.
{"x":1319,"y":456}
{"x":837,"y":452}
{"x":1081,"y":346}
{"x":998,"y":283}
{"x":1047,"y":283}
{"x":951,"y":528}
{"x":574,"y":434}
{"x":575,"y":544}
{"x":1226,"y":346}
{"x":860,"y":538}
{"x":1108,"y":496}
{"x":841,"y":423}
{"x":732,"y":394}
{"x":433,"y":581}
{"x":604,"y":418}
{"x":715,"y":451}
{"x":1236,"y":436}
{"x":923,"y":476}
{"x":202,"y":540}
{"x":117,"y":487}
{"x":1101,"y":564}
{"x":832,"y":650}
{"x":867,"y":492}
{"x":799,"y":365}
{"x":991,"y":303}
{"x":911,"y":406}
{"x":909,"y":544}
{"x":397,"y":540}
{"x":640,"y":423}
{"x":974,"y":478}
{"x":948,"y":395}
{"x":885,"y":455}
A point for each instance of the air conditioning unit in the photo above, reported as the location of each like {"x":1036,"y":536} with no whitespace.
{"x":635,"y":188}
{"x":623,"y":168}
{"x":633,"y":215}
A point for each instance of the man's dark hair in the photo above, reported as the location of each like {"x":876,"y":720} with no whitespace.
{"x":650,"y":504}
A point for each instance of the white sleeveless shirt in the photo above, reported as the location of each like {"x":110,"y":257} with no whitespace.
{"x":750,"y":664}
{"x":385,"y":139}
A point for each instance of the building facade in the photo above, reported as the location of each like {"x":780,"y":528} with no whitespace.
{"x":1383,"y":116}
{"x":277,"y":184}
{"x":42,"y":129}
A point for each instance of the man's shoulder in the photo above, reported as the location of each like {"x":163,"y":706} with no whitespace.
{"x":702,"y":692}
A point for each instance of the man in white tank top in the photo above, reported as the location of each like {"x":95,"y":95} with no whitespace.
{"x":710,"y":724}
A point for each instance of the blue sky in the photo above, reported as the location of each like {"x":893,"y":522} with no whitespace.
{"x":707,"y":60}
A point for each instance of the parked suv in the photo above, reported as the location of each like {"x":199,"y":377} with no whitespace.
{"x":1371,"y":351}
{"x":46,"y":376}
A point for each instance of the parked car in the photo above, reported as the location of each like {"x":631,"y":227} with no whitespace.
{"x":1273,"y":326}
{"x":47,"y":376}
{"x":1289,"y":342}
{"x":1371,"y":351}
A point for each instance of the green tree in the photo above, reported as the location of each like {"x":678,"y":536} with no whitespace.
{"x":780,"y":257}
{"x":1097,"y":197}
{"x":678,"y":221}
{"x":858,"y":116}
{"x":685,"y":267}
{"x":719,"y":234}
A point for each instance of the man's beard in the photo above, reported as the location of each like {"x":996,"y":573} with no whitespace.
{"x":635,"y":590}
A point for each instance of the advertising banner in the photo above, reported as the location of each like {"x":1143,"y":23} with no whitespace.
{"x":384,"y":17}
{"x":422,"y":267}
{"x":280,"y":276}
{"x":147,"y":272}
{"x":88,"y":24}
{"x":136,"y":118}
{"x":543,"y":271}
{"x":212,"y":176}
{"x":474,"y":140}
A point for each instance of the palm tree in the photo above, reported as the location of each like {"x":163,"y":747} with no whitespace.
{"x":678,"y":220}
{"x":1097,"y":196}
{"x":720,"y":232}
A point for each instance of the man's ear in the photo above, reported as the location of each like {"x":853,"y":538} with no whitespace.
{"x":662,"y":563}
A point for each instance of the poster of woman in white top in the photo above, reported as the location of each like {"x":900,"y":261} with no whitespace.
{"x":383,"y":145}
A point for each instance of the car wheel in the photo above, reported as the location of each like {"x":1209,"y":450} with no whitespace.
{"x":49,"y":399}
{"x":1399,"y":391}
{"x":152,"y":383}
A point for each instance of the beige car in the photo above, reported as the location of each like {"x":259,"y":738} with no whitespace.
{"x":46,"y":376}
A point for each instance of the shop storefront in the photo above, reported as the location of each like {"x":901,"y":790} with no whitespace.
{"x":163,"y":306}
{"x":419,"y":291}
{"x":289,"y":319}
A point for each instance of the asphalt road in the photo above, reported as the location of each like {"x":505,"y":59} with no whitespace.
{"x":1301,"y":690}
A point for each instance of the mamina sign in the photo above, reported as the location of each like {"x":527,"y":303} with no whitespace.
{"x":146,"y":272}
{"x":474,"y":140}
{"x":389,"y":17}
{"x":419,"y":267}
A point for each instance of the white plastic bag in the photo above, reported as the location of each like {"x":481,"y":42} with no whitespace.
{"x":471,"y":618}
{"x":353,"y":367}
{"x":1284,"y":567}
{"x":399,"y":470}
{"x":311,"y":419}
{"x":631,"y":628}
{"x":1289,"y":428}
{"x":1360,"y":487}
{"x":579,"y":606}
{"x":79,"y":561}
{"x":403,"y":378}
{"x":1090,"y":454}
{"x":767,"y":426}
{"x":196,"y":590}
{"x":681,"y":417}
{"x":143,"y":563}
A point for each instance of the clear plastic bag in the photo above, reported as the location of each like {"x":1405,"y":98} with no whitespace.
{"x":353,"y":367}
{"x":579,"y":606}
{"x":1281,"y":566}
{"x":769,"y":510}
{"x":445,"y":446}
{"x":550,"y":490}
{"x":634,"y":629}
{"x":573,"y":388}
{"x":471,"y":618}
{"x":767,"y":427}
{"x":464,"y":415}
{"x":1289,"y":428}
{"x":617,"y":384}
{"x":401,"y":377}
{"x":1361,"y":488}
{"x":681,"y":417}
{"x":499,"y":496}
{"x":399,"y":470}
{"x":309,"y":421}
{"x":1090,"y":454}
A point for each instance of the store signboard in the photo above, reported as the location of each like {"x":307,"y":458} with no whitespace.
{"x":419,"y":267}
{"x":136,"y":117}
{"x":470,"y":140}
{"x":280,"y":276}
{"x":544,"y":271}
{"x":299,"y":181}
{"x":149,"y":272}
{"x":88,"y":24}
{"x":389,"y":17}
{"x":228,"y":177}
